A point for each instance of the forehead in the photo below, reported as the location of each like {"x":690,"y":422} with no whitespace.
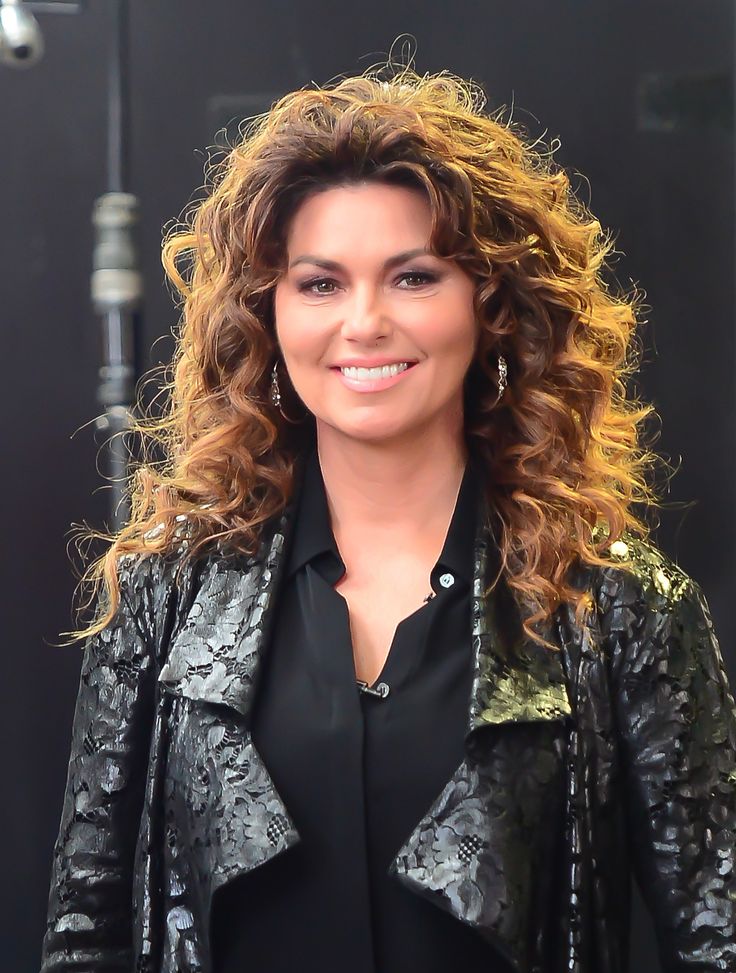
{"x":377,"y":215}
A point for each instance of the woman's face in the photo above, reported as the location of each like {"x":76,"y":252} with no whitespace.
{"x":359,"y":291}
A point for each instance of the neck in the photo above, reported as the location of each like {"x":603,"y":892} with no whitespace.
{"x":381,"y":491}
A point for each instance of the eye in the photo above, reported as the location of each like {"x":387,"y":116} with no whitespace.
{"x":309,"y":284}
{"x":424,"y":277}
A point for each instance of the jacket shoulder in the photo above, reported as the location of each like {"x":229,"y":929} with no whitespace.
{"x":644,"y":597}
{"x":640,"y":572}
{"x":154,"y":590}
{"x":144,"y":572}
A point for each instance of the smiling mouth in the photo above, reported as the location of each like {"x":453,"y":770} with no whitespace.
{"x":374,"y":372}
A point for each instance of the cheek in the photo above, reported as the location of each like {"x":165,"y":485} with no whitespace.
{"x":280,"y":315}
{"x":304,"y":345}
{"x":292,"y":325}
{"x":449,"y":328}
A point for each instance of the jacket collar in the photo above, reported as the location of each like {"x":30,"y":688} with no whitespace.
{"x":216,"y":653}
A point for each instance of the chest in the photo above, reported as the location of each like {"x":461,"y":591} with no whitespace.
{"x":376,"y":605}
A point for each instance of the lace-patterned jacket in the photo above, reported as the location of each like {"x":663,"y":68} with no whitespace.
{"x":614,"y":756}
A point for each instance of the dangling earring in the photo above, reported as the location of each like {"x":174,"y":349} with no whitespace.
{"x":275,"y":391}
{"x":502,"y":373}
{"x":276,"y":394}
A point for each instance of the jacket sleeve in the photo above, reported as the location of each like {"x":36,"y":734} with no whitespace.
{"x":677,"y":722}
{"x":89,"y":909}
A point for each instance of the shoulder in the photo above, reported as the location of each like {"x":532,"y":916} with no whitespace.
{"x":154,"y":574}
{"x":651,"y":612}
{"x":641,"y":573}
{"x":154,"y":584}
{"x":139,"y":568}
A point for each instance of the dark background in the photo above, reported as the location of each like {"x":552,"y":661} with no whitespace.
{"x":639,"y":92}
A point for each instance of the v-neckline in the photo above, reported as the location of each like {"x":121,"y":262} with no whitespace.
{"x":403,"y":654}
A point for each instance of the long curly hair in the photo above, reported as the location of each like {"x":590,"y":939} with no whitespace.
{"x":562,"y":451}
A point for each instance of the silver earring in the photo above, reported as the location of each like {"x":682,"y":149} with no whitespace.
{"x":275,"y":391}
{"x":276,"y":394}
{"x":502,"y":373}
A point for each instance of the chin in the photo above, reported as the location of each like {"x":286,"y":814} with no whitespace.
{"x":373,"y":432}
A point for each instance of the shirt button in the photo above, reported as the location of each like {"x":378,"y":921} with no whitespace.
{"x":446,"y":580}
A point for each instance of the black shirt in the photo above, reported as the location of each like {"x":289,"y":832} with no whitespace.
{"x":356,"y":770}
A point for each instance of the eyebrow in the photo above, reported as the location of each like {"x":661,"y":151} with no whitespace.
{"x":398,"y":258}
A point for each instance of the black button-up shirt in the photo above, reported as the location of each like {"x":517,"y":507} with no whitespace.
{"x":356,"y":770}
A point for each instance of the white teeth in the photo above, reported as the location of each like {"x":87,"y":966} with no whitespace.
{"x":384,"y":371}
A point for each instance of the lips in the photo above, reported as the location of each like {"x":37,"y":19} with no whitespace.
{"x":371,"y":386}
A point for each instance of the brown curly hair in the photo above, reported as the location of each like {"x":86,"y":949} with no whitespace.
{"x":562,"y":451}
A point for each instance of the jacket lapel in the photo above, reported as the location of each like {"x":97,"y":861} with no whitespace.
{"x":483,"y":848}
{"x":240,"y":820}
{"x":515,"y":679}
{"x":471,"y":852}
{"x":215,"y":655}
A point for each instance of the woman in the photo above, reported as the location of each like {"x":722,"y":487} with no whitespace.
{"x":389,"y":676}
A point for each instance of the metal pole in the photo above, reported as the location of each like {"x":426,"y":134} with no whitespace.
{"x":117,"y":284}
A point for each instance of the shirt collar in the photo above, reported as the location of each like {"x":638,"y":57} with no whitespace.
{"x":456,"y":555}
{"x":313,"y":536}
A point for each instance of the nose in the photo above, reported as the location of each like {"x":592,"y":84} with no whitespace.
{"x":365,"y":318}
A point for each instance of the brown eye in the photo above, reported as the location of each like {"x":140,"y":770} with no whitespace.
{"x":307,"y":286}
{"x":423,"y":277}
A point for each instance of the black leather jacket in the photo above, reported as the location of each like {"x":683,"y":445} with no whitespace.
{"x":616,"y":754}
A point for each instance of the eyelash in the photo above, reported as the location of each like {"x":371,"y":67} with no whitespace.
{"x":429,"y":278}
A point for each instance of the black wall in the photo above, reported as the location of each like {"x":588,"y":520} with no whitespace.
{"x":638,"y":92}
